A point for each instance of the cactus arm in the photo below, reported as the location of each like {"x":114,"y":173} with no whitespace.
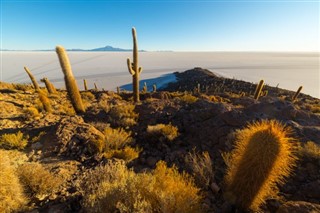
{"x":34,"y":81}
{"x":131,"y":71}
{"x":140,"y":70}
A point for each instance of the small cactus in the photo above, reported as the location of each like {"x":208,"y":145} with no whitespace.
{"x":259,"y":87}
{"x":263,"y":157}
{"x":154,"y":88}
{"x":34,"y":81}
{"x":145,"y":88}
{"x":95,"y":86}
{"x":134,"y":68}
{"x":45,"y":101}
{"x":85,"y":84}
{"x":297,"y":93}
{"x":118,"y":90}
{"x":70,"y":81}
{"x":50,"y":87}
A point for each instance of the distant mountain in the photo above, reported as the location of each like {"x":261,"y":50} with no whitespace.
{"x":111,"y":49}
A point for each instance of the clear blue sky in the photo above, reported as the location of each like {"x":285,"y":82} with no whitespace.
{"x":260,"y":25}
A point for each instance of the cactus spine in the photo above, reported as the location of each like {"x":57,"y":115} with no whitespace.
{"x":297,"y":93}
{"x":259,"y":87}
{"x":70,"y":81}
{"x":134,"y":68}
{"x":34,"y":81}
{"x":262,"y":158}
{"x":50,"y":87}
{"x":85,"y":84}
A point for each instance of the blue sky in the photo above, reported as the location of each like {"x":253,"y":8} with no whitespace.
{"x":265,"y":25}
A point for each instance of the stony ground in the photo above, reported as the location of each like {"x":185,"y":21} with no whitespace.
{"x":206,"y":109}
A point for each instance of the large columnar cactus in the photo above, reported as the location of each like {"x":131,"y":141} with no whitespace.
{"x":134,"y":68}
{"x":70,"y":81}
{"x":34,"y":81}
{"x":50,"y":87}
{"x":259,"y":87}
{"x":263,"y":157}
{"x":297,"y":93}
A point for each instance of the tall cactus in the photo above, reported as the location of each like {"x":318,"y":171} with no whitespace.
{"x":70,"y":81}
{"x":134,"y":68}
{"x":297,"y":93}
{"x":50,"y":87}
{"x":259,"y":87}
{"x":34,"y":81}
{"x":263,"y":157}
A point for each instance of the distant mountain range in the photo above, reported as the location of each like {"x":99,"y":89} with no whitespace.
{"x":100,"y":49}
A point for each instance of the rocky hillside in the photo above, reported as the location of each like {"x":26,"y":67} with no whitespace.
{"x":193,"y":122}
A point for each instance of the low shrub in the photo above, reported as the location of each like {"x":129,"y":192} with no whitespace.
{"x":12,"y":197}
{"x":13,"y":141}
{"x":163,"y":132}
{"x":38,"y":181}
{"x":114,"y":188}
{"x":202,"y":168}
{"x":310,"y":150}
{"x":123,"y":114}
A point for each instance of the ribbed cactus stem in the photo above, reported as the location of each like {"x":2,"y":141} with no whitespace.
{"x":34,"y":81}
{"x":50,"y":87}
{"x":85,"y":84}
{"x":297,"y":93}
{"x":134,"y":68}
{"x":263,"y":157}
{"x":70,"y":81}
{"x":259,"y":87}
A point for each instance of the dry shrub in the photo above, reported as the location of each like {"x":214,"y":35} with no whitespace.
{"x":310,"y":149}
{"x":163,"y":132}
{"x":116,"y":144}
{"x":188,"y":98}
{"x":12,"y":198}
{"x":13,"y":141}
{"x":124,"y":114}
{"x":37,"y":180}
{"x":127,"y":153}
{"x":31,"y":113}
{"x":88,"y":96}
{"x":201,"y":166}
{"x":114,"y":188}
{"x":116,"y":138}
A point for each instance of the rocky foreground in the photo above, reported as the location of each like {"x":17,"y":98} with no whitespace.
{"x":200,"y":113}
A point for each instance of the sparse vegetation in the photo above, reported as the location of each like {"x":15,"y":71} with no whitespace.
{"x":12,"y":197}
{"x":310,"y":149}
{"x":37,"y":181}
{"x":163,"y":132}
{"x":202,"y":168}
{"x":113,"y":188}
{"x":13,"y":141}
{"x":124,"y":114}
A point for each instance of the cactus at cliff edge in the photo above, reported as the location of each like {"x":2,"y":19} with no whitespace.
{"x":263,"y":157}
{"x":85,"y":84}
{"x":297,"y":93}
{"x":134,"y":68}
{"x":34,"y":81}
{"x":259,"y":87}
{"x":70,"y":81}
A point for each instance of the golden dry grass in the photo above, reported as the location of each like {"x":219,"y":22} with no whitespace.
{"x":202,"y":168}
{"x":114,"y":188}
{"x":310,"y":150}
{"x":38,"y":181}
{"x":13,"y":141}
{"x":262,"y":158}
{"x":163,"y":131}
{"x":124,"y":114}
{"x":12,"y":197}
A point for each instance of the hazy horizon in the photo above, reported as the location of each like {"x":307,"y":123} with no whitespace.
{"x":109,"y":69}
